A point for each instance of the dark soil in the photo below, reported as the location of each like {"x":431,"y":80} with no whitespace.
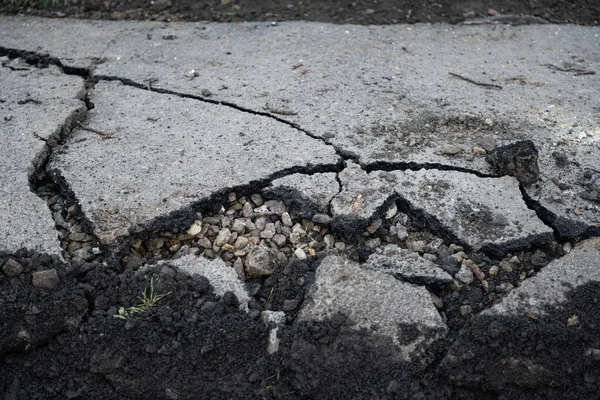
{"x":583,"y":12}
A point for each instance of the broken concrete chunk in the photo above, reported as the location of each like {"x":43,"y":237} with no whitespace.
{"x":40,"y":102}
{"x":221,"y":277}
{"x":408,"y":266}
{"x":305,"y":195}
{"x":518,"y":159}
{"x":487,"y":214}
{"x":373,"y":299}
{"x":151,"y":169}
{"x":540,"y":334}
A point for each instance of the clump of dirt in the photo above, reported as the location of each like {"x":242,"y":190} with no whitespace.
{"x":584,"y":12}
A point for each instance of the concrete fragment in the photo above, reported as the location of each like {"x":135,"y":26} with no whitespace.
{"x":531,"y":340}
{"x":408,"y":266}
{"x":305,"y":195}
{"x":168,"y":153}
{"x":222,"y":277}
{"x":36,"y":106}
{"x":487,"y":214}
{"x":370,"y":298}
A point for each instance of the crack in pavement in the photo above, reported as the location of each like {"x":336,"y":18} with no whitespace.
{"x":130,"y":82}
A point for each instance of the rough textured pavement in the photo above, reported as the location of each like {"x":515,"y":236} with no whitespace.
{"x":35,"y":106}
{"x":145,"y":126}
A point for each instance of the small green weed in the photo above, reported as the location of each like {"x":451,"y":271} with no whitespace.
{"x":148,"y":300}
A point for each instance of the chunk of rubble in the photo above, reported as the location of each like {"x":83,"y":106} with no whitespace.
{"x":222,"y":277}
{"x":542,"y":335}
{"x":168,"y":153}
{"x":36,"y":105}
{"x":305,"y":195}
{"x":376,"y":303}
{"x":485,"y":214}
{"x":408,"y":266}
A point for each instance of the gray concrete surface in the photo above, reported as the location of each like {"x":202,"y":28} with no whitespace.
{"x":383,"y":94}
{"x":169,"y":152}
{"x":376,"y":302}
{"x":35,"y":104}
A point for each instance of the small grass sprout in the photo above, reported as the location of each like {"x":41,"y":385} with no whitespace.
{"x":148,"y":300}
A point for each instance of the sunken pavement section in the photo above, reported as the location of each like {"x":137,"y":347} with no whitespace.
{"x":143,"y":124}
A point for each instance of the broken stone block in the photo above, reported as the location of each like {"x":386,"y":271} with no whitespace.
{"x":408,"y":266}
{"x":486,"y":214}
{"x":376,"y":302}
{"x":304,"y":195}
{"x":221,"y":277}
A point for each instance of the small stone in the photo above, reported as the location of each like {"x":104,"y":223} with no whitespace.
{"x":454,"y":248}
{"x":279,"y":240}
{"x":275,"y":206}
{"x":391,"y":212}
{"x":247,"y":210}
{"x":416,"y":245}
{"x":205,"y":242}
{"x":238,"y":266}
{"x":341,"y":246}
{"x":567,"y":247}
{"x":154,"y":244}
{"x":373,"y":243}
{"x":573,"y":320}
{"x":12,"y":268}
{"x":241,"y":242}
{"x":286,"y":219}
{"x":257,"y":199}
{"x":47,"y":279}
{"x":263,"y":261}
{"x":402,"y":232}
{"x":321,"y":219}
{"x":506,"y":266}
{"x":372,"y":228}
{"x":300,"y":254}
{"x":329,"y":240}
{"x":459,"y":257}
{"x":260,"y":223}
{"x":464,"y":274}
{"x":238,"y":226}
{"x":494,"y":270}
{"x":84,"y":253}
{"x":206,"y":93}
{"x":223,"y":237}
{"x":171,"y":394}
{"x":195,"y":228}
{"x":80,"y":237}
{"x":290,"y":305}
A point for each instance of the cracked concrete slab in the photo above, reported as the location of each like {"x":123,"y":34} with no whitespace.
{"x":392,"y":102}
{"x":375,"y":302}
{"x":168,"y":153}
{"x":550,"y":312}
{"x":35,"y":106}
{"x":487,"y":214}
{"x":222,"y":277}
{"x":407,"y":266}
{"x":305,"y":195}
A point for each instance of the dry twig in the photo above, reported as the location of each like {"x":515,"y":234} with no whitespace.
{"x":490,"y":85}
